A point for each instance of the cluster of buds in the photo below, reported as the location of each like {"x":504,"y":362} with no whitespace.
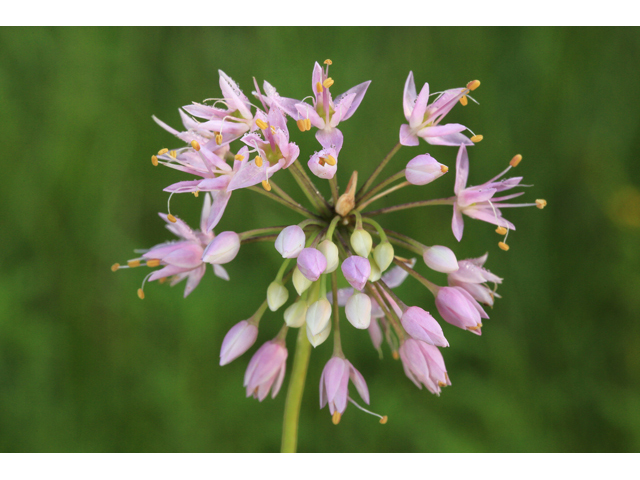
{"x":231,"y":144}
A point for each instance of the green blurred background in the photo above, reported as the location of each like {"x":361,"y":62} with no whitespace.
{"x":86,"y":366}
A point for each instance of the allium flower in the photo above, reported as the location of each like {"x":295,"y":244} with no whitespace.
{"x":424,"y":119}
{"x":239,"y":145}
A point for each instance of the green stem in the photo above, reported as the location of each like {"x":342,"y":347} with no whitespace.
{"x":378,"y":169}
{"x":381,"y":185}
{"x":309,"y":189}
{"x":378,"y":227}
{"x":432,"y":287}
{"x":283,"y":194}
{"x":333,"y":184}
{"x":259,"y":231}
{"x":337,"y":345}
{"x":284,"y":202}
{"x":404,"y":206}
{"x":382,"y":194}
{"x":264,"y":238}
{"x":294,"y":393}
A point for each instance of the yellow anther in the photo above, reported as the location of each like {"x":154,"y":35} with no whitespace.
{"x":266,"y":185}
{"x":444,"y":168}
{"x":330,"y":160}
{"x":140,"y":294}
{"x":541,"y":203}
{"x":162,"y":280}
{"x":328,"y":82}
{"x":328,"y":62}
{"x":154,"y":160}
{"x":501,"y":231}
{"x":174,"y":154}
{"x":473,"y":85}
{"x":515,"y":160}
{"x":503,"y":246}
{"x":218,"y":139}
{"x":258,"y":161}
{"x":476,"y":138}
{"x":273,"y":129}
{"x":196,"y":193}
{"x":319,"y":87}
{"x":171,"y":218}
{"x":307,"y":123}
{"x":154,"y":262}
{"x":395,"y":355}
{"x":195,"y":145}
{"x":302,"y":124}
{"x":321,"y":162}
{"x":464,"y":101}
{"x":115,"y":267}
{"x":384,"y":420}
{"x":133,"y":263}
{"x":261,"y":124}
{"x":335,"y":418}
{"x":477,"y":327}
{"x":238,"y":157}
{"x":163,"y":151}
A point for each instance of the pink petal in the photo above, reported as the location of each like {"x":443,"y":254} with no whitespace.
{"x":408,"y":138}
{"x":409,"y":96}
{"x":417,"y":116}
{"x":359,"y":90}
{"x":462,"y":169}
{"x":220,"y":200}
{"x":457,"y":223}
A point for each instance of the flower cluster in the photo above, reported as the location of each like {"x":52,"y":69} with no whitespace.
{"x":230,"y":144}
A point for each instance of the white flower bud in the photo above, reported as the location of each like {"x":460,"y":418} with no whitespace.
{"x":316,"y":340}
{"x":300,"y":282}
{"x":277,"y":295}
{"x":358,"y":310}
{"x":375,"y":274}
{"x":295,"y":314}
{"x":330,"y":252}
{"x":318,"y":316}
{"x":361,"y":242}
{"x":440,"y":259}
{"x":383,"y":255}
{"x":290,"y":242}
{"x":222,"y":249}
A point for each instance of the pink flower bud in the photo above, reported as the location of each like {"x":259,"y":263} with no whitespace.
{"x":290,"y":242}
{"x":222,"y":249}
{"x":237,"y":341}
{"x":356,"y":270}
{"x":440,"y":259}
{"x":422,"y":326}
{"x":266,"y":370}
{"x":334,"y":384}
{"x":424,"y":169}
{"x":424,"y":365}
{"x":358,"y":310}
{"x":459,"y":308}
{"x":311,"y":263}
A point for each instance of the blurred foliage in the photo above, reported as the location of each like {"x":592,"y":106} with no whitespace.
{"x":86,"y":366}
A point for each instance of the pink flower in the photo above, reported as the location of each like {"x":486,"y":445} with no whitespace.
{"x":424,"y":365}
{"x":424,"y":119}
{"x":478,"y":202}
{"x":334,"y":385}
{"x":266,"y":370}
{"x":356,"y":270}
{"x":459,"y":308}
{"x":237,"y":341}
{"x":311,"y":263}
{"x":422,"y":326}
{"x":473,"y":278}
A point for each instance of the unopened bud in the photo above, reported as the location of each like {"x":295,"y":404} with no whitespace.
{"x":383,"y":255}
{"x":424,"y":169}
{"x":277,"y":295}
{"x":312,"y":263}
{"x":290,"y":241}
{"x":237,"y":341}
{"x":358,"y":310}
{"x":330,"y":252}
{"x":222,"y":249}
{"x":356,"y":270}
{"x":347,"y":200}
{"x":320,"y":338}
{"x":376,"y":273}
{"x":300,"y":282}
{"x":318,"y":316}
{"x":295,"y":315}
{"x":440,"y":259}
{"x":361,"y":242}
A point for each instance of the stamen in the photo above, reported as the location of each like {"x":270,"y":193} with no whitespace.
{"x":330,"y":160}
{"x":141,"y":294}
{"x":273,"y":129}
{"x":154,"y":262}
{"x":541,"y":203}
{"x":266,"y":185}
{"x":328,"y":62}
{"x":477,"y":327}
{"x":196,"y":193}
{"x":464,"y":101}
{"x":171,"y":218}
{"x":219,"y":139}
{"x":476,"y":138}
{"x":195,"y":145}
{"x":258,"y":161}
{"x":307,"y":123}
{"x":395,"y":355}
{"x":162,"y":280}
{"x":444,"y":168}
{"x":174,"y":154}
{"x":515,"y":160}
{"x":321,"y":161}
{"x":383,"y":419}
{"x":163,"y":151}
{"x":503,"y":246}
{"x":473,"y":85}
{"x":328,"y":82}
{"x":115,"y":267}
{"x":238,"y":157}
{"x":302,"y":124}
{"x":133,"y":263}
{"x":261,"y":124}
{"x":336,"y":418}
{"x":319,"y":87}
{"x":501,"y":230}
{"x":154,"y":160}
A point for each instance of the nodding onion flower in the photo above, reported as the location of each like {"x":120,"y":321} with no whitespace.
{"x":231,"y":143}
